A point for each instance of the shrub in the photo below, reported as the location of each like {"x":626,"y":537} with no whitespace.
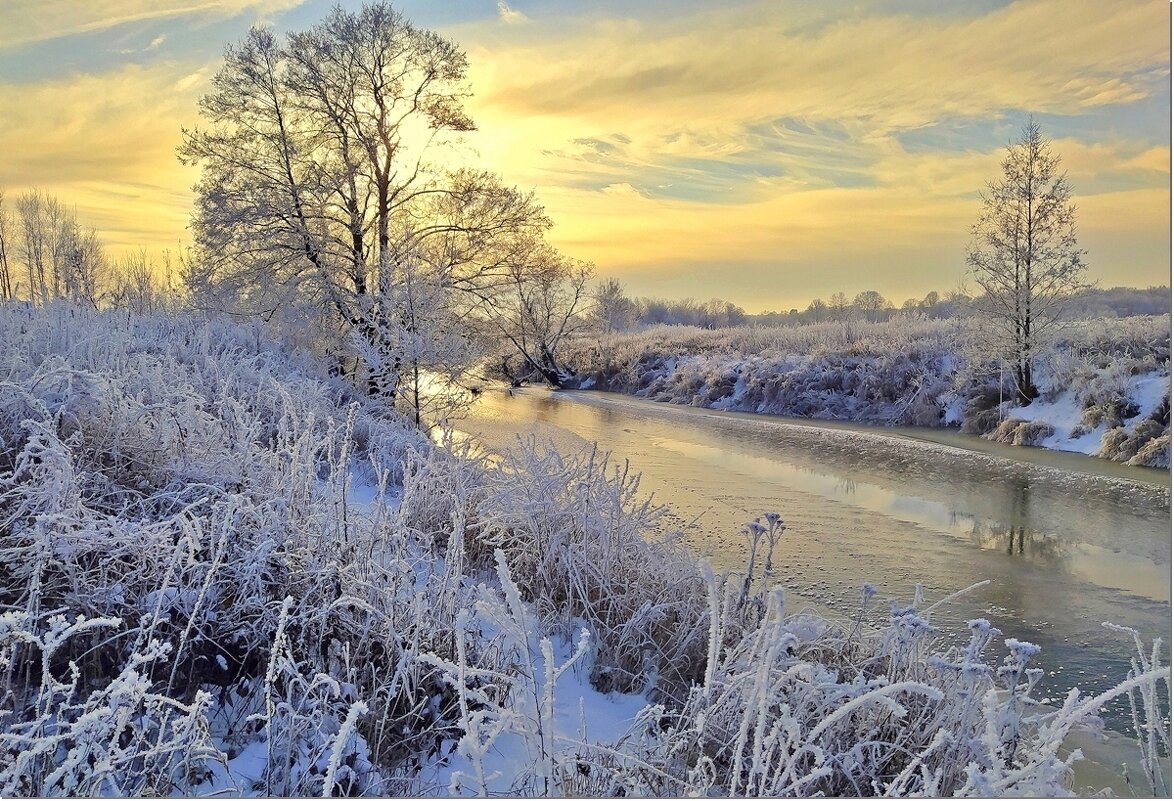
{"x":1013,"y":431}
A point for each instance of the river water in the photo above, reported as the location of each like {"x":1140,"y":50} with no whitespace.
{"x":1067,"y":541}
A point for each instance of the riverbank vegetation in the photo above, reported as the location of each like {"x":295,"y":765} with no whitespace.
{"x":226,"y":570}
{"x":1105,"y":382}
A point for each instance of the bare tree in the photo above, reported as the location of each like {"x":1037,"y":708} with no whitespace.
{"x":839,"y":306}
{"x":873,"y":304}
{"x":35,"y":245}
{"x":61,"y":258}
{"x":138,"y":284}
{"x":1024,"y":254}
{"x":424,"y":335}
{"x":84,"y":270}
{"x":540,"y":305}
{"x":817,"y":310}
{"x":7,"y":284}
{"x":320,"y":185}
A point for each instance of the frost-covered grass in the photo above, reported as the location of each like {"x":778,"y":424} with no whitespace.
{"x":222,"y":571}
{"x":1105,"y":383}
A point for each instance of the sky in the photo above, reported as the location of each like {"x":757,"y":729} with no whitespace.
{"x":760,"y":151}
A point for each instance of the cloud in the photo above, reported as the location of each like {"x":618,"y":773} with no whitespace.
{"x":620,"y":190}
{"x":28,"y":21}
{"x":761,"y":133}
{"x":804,"y":147}
{"x":510,"y":16}
{"x":841,"y":214}
{"x":105,"y":143}
{"x":185,"y":83}
{"x":748,"y":62}
{"x":154,"y":44}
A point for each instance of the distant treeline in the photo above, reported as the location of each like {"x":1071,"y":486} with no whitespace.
{"x":618,"y":312}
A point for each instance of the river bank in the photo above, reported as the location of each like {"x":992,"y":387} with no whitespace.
{"x":1104,"y":392}
{"x":229,"y":572}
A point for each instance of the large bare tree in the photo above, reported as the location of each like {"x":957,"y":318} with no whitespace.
{"x":324,"y":181}
{"x":1024,"y":254}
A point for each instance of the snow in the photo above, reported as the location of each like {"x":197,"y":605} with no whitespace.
{"x":583,"y":718}
{"x":363,"y":492}
{"x":1063,"y":413}
{"x":953,"y":412}
{"x":1148,"y":392}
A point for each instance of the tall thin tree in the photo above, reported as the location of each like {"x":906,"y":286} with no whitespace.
{"x":1024,"y":255}
{"x":7,"y":287}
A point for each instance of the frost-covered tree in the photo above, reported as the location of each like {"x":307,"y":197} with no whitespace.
{"x":538,"y":307}
{"x":426,"y":338}
{"x":873,"y":304}
{"x":1024,"y":254}
{"x":839,"y":305}
{"x":613,"y":311}
{"x":323,"y":180}
{"x":34,"y":243}
{"x":140,"y":283}
{"x":61,"y":258}
{"x":816,"y":311}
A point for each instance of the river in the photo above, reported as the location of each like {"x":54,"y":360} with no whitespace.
{"x":1067,"y":541}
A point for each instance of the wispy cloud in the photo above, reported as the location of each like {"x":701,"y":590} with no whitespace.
{"x":896,"y":71}
{"x":107,"y":144}
{"x":29,"y":21}
{"x":510,"y":16}
{"x":769,"y":134}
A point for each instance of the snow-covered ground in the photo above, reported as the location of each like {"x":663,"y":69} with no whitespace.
{"x":1064,"y":414}
{"x":226,"y":572}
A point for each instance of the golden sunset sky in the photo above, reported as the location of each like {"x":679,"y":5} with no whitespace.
{"x":762,"y":152}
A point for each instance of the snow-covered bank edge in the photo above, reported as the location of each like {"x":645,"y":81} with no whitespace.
{"x":1134,"y":430}
{"x":1107,"y":404}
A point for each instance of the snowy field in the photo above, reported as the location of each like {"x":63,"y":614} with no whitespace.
{"x":1105,"y":384}
{"x":226,"y":572}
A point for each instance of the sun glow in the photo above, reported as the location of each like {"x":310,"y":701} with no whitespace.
{"x":758,"y":152}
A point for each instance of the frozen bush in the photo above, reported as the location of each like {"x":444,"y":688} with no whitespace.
{"x":1155,"y":453}
{"x":582,"y":540}
{"x":1013,"y":431}
{"x":791,"y":709}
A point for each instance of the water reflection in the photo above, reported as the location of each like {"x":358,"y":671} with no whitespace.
{"x":1016,"y":535}
{"x":1020,"y":541}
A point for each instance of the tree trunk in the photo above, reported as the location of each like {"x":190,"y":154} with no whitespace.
{"x":549,"y":368}
{"x":1025,"y":383}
